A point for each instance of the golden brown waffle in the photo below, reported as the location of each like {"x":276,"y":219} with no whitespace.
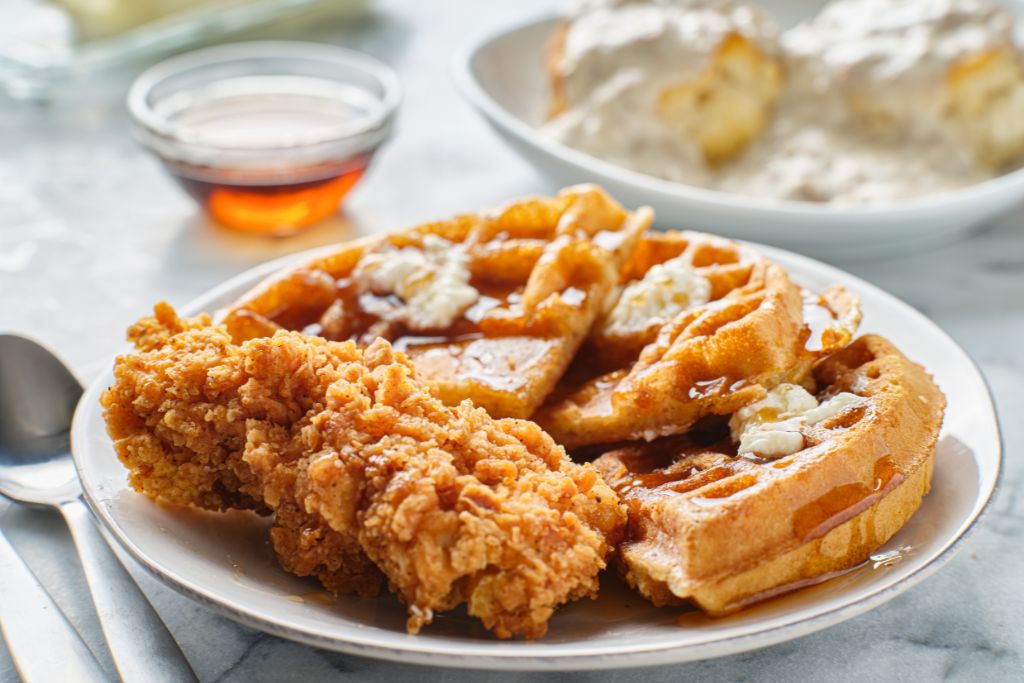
{"x":758,"y":329}
{"x":724,"y":531}
{"x":724,"y":263}
{"x":543,"y":268}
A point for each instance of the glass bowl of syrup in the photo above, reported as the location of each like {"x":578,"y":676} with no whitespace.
{"x":268,"y":137}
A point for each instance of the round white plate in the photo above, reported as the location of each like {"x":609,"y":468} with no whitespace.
{"x":223,"y":560}
{"x":503,"y":76}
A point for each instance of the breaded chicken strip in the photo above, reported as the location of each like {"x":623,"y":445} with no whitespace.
{"x":182,"y":411}
{"x":359,"y":460}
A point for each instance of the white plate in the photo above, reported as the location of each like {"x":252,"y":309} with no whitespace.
{"x":224,"y":562}
{"x":502,"y":75}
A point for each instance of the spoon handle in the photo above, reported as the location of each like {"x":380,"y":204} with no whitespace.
{"x":43,"y":645}
{"x":140,"y":644}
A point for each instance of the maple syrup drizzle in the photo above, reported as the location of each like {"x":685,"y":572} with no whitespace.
{"x":795,"y":586}
{"x":411,"y":341}
{"x":819,"y":318}
{"x":844,"y":502}
{"x":660,"y":464}
{"x":876,"y":561}
{"x":355,"y":322}
{"x":675,"y":460}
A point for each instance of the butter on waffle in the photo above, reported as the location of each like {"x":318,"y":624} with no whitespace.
{"x":724,"y":530}
{"x":539,"y":271}
{"x":755,"y":330}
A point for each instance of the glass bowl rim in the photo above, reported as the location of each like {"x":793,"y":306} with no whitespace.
{"x":145,"y":116}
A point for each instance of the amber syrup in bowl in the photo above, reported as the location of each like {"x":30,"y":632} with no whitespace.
{"x":268,"y":137}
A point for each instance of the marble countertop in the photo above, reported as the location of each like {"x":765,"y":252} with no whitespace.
{"x":92,"y":233}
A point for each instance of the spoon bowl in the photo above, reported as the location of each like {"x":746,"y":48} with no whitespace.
{"x":38,"y":395}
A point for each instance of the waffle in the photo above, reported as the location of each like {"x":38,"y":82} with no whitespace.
{"x":539,"y":271}
{"x":756,"y":330}
{"x":724,"y":531}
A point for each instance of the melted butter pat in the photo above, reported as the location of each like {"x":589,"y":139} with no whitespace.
{"x":666,"y":290}
{"x":771,"y":427}
{"x":430,"y":285}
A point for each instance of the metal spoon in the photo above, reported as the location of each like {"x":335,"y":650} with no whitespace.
{"x":38,"y":395}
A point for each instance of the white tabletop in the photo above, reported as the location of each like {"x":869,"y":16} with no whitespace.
{"x":92,"y":233}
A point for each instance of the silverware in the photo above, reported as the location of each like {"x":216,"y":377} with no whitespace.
{"x":38,"y":395}
{"x":35,"y":628}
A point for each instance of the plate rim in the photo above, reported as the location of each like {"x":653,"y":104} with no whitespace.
{"x":644,"y":655}
{"x":473,"y":90}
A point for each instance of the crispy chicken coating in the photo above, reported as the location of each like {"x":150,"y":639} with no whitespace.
{"x":182,"y":412}
{"x":366,"y":471}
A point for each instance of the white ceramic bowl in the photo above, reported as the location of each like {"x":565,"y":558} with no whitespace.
{"x":502,"y":75}
{"x":224,"y":561}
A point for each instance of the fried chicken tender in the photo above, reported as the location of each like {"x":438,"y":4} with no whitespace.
{"x":182,"y":412}
{"x":364,"y":469}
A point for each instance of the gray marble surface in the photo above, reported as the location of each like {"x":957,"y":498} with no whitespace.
{"x":92,"y":233}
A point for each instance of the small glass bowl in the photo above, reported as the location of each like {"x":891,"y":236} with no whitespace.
{"x":267,"y":136}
